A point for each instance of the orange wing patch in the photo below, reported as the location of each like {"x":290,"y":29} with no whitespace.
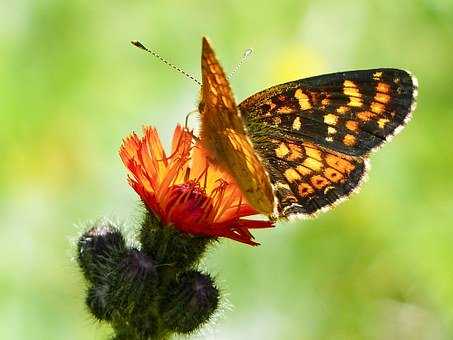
{"x":304,"y":100}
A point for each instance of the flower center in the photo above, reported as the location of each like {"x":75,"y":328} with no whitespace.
{"x":188,"y":206}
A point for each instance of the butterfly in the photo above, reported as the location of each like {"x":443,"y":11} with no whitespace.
{"x":301,"y":147}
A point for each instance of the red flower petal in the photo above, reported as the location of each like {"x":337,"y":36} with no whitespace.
{"x":184,"y":189}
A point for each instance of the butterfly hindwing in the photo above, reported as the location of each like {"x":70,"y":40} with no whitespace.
{"x":350,"y":112}
{"x":308,"y":178}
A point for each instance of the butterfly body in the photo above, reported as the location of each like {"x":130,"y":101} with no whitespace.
{"x":304,"y":144}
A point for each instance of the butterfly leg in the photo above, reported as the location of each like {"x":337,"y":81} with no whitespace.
{"x":186,"y":124}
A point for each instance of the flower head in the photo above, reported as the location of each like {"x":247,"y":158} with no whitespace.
{"x":183,"y":189}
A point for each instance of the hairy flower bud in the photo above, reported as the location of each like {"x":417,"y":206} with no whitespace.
{"x":169,"y":245}
{"x":100,"y":249}
{"x":190,"y":301}
{"x":97,"y":302}
{"x":137,"y":278}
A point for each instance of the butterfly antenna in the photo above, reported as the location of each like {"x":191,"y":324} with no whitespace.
{"x":244,"y":58}
{"x":138,"y":44}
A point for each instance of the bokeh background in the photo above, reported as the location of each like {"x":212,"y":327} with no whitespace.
{"x":380,"y":266}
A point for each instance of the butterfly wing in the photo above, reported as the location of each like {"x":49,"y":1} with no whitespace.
{"x":308,"y":178}
{"x":349,"y":112}
{"x":344,"y":115}
{"x":224,"y":136}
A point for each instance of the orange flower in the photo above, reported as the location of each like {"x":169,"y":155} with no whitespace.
{"x":184,"y":190}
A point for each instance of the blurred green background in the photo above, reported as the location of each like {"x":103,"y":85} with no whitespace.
{"x":71,"y":87}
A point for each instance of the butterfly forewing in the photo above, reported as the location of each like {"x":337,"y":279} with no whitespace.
{"x":349,"y":112}
{"x":224,"y":136}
